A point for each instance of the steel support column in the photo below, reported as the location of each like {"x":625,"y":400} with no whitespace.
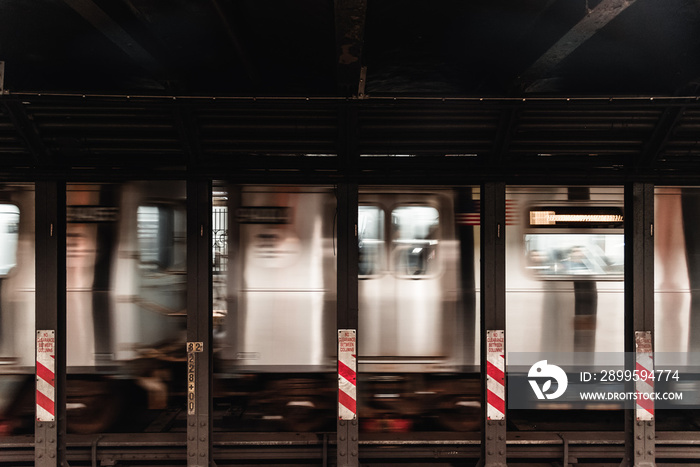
{"x":639,"y":307}
{"x":493,"y":310}
{"x":199,"y":324}
{"x":50,"y":238}
{"x":347,"y":196}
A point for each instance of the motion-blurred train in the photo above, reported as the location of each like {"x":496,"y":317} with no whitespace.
{"x":274,"y":296}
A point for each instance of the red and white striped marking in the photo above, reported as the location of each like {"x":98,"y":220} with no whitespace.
{"x":347,"y":374}
{"x":644,"y":409}
{"x":472,"y":216}
{"x":495,"y":375}
{"x":45,"y":375}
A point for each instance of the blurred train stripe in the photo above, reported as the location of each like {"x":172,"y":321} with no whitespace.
{"x":472,"y":216}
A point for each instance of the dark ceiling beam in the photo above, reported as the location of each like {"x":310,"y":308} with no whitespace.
{"x":507,"y":124}
{"x":666,"y":126}
{"x":111,"y":29}
{"x":189,"y":136}
{"x":235,"y":42}
{"x":350,"y":16}
{"x":594,"y":21}
{"x":28,"y":131}
{"x":663,"y":131}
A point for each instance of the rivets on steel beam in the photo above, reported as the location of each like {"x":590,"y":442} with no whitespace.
{"x":342,"y":437}
{"x":342,"y":453}
{"x":502,"y":452}
{"x":354,"y":453}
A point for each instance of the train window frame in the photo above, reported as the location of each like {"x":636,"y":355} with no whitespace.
{"x":438,"y":263}
{"x":608,"y":230}
{"x":164,"y":257}
{"x":381,"y":265}
{"x":10,"y":269}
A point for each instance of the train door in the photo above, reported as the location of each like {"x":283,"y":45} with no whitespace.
{"x":402,"y":289}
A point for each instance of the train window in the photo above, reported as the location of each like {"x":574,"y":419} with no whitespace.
{"x":9,"y":231}
{"x":599,"y":256}
{"x":370,"y":234}
{"x":415,"y":240}
{"x":219,"y":239}
{"x":156,"y":235}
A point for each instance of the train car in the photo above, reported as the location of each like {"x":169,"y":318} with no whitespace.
{"x":125,"y":297}
{"x":417,"y":327}
{"x":565,"y":269}
{"x":280,"y":319}
{"x":275,"y":290}
{"x":125,"y":294}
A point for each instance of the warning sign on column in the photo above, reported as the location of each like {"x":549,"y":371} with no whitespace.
{"x":347,"y":374}
{"x":495,"y":375}
{"x":45,"y":375}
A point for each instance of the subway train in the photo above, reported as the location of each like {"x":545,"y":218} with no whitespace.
{"x":274,"y":282}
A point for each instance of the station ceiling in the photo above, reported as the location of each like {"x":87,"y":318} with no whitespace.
{"x":493,"y":86}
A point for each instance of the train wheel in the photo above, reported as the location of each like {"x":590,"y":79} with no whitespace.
{"x":460,"y":414}
{"x":92,"y":406}
{"x":302,"y":415}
